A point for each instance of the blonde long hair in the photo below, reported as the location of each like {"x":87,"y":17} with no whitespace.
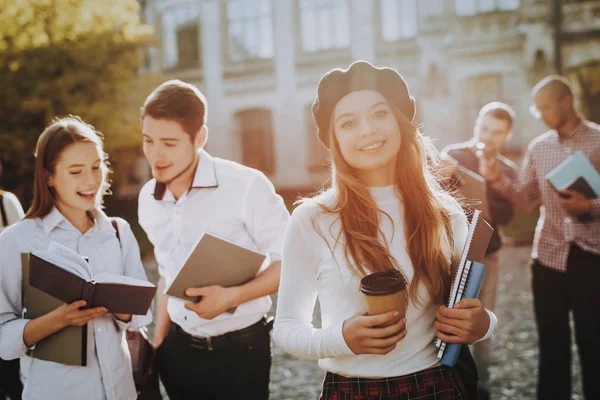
{"x":426,"y":215}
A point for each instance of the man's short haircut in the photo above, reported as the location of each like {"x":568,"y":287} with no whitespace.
{"x":498,"y":110}
{"x":178,"y":101}
{"x":558,"y":83}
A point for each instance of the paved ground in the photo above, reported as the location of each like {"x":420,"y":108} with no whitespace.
{"x":514,"y":364}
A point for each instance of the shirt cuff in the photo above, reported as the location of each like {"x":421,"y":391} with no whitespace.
{"x":335,"y":343}
{"x":12,"y":345}
{"x":491,"y":328}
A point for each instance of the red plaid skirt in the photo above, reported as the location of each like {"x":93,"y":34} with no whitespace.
{"x":439,"y":383}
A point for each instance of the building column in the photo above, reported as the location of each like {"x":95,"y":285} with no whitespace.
{"x":288,"y":124}
{"x":219,"y":137}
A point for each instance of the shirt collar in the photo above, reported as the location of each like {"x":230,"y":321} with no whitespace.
{"x":577,"y":131}
{"x":55,"y":218}
{"x":205,"y":175}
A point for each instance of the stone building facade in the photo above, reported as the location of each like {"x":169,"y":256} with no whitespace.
{"x":259,"y":61}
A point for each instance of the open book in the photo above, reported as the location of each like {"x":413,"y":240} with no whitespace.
{"x":478,"y":239}
{"x":67,"y":276}
{"x":214,"y":260}
{"x":578,"y":174}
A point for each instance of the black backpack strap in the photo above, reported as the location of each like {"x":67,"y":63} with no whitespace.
{"x":116,"y":226}
{"x":3,"y":211}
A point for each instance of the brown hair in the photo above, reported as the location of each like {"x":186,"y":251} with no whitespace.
{"x":498,"y":110}
{"x":59,"y":135}
{"x":178,"y":101}
{"x":426,"y":217}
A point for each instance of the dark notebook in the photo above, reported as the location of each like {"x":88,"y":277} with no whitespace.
{"x":67,"y":346}
{"x":582,"y":186}
{"x":66,"y":277}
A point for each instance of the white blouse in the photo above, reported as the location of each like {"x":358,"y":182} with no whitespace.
{"x":108,"y":373}
{"x":309,"y":271}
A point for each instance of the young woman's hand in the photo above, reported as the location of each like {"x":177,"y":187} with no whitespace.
{"x":467,"y":322}
{"x":364,"y":336}
{"x":71,"y":315}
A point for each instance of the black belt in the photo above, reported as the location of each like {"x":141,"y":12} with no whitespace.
{"x":241,"y":337}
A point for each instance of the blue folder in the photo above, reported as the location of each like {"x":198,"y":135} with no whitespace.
{"x":472,"y":289}
{"x":576,"y":173}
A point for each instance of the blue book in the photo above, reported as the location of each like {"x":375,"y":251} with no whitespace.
{"x":578,"y":174}
{"x":472,"y":288}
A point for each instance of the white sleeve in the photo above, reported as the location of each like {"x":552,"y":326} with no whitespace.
{"x":294,"y":331}
{"x":265,"y":216}
{"x":134,"y":268}
{"x":11,"y":323}
{"x":13,"y":208}
{"x":491,"y":327}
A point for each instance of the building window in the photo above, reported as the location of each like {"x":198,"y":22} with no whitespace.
{"x":181,"y":36}
{"x":255,"y":127}
{"x":317,"y":158}
{"x":472,"y":7}
{"x":250,"y":29}
{"x":398,"y":19}
{"x":324,"y":25}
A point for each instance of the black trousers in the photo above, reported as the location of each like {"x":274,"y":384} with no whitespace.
{"x":554,"y":295}
{"x":10,"y":380}
{"x":233,"y":372}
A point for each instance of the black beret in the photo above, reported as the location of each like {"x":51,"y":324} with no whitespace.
{"x":361,"y":75}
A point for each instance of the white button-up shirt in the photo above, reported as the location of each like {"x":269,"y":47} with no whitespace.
{"x":226,"y":199}
{"x":108,"y":372}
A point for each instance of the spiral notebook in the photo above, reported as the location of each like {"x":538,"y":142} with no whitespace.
{"x":472,"y":288}
{"x":478,"y":238}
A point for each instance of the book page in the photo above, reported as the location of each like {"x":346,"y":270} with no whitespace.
{"x":107,"y":277}
{"x":65,"y":258}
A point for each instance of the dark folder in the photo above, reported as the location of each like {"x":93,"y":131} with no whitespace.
{"x":117,"y":297}
{"x":67,"y":346}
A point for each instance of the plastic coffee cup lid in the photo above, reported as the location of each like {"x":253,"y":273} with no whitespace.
{"x":383,"y":283}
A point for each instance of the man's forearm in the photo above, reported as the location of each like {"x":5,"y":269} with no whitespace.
{"x":264,"y":284}
{"x":163,"y":321}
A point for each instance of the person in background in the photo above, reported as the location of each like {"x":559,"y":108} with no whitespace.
{"x":70,"y":180}
{"x":385,"y":211}
{"x":566,"y":251}
{"x":11,"y":212}
{"x":492,"y":130}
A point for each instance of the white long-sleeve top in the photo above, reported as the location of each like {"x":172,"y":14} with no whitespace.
{"x":108,"y":373}
{"x":309,"y":270}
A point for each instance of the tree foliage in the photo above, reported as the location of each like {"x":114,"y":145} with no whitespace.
{"x":61,"y":57}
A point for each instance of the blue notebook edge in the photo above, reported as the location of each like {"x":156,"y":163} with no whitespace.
{"x":472,"y":289}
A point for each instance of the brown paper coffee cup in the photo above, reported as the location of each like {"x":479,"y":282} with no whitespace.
{"x":384,"y":292}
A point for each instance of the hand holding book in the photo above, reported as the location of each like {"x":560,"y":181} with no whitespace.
{"x":466,"y":322}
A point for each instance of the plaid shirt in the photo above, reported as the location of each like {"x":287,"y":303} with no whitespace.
{"x":556,"y":229}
